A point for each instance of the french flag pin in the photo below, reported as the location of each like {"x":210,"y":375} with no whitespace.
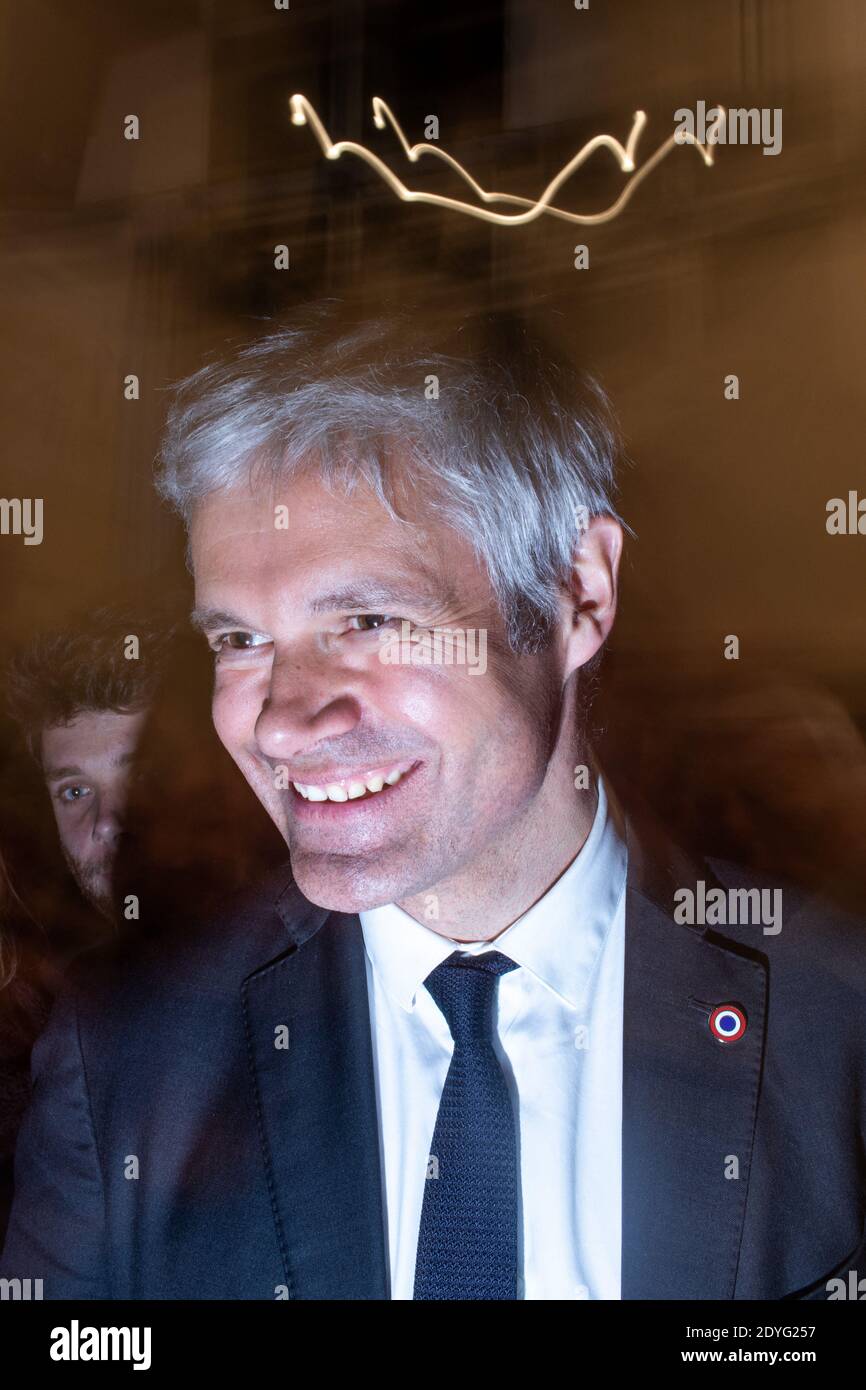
{"x":727,"y":1023}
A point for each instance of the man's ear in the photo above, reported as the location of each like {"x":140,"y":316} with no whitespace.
{"x":589,"y":604}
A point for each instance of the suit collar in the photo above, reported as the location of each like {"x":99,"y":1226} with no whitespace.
{"x":301,"y":918}
{"x":308,"y":1039}
{"x":689,"y":1102}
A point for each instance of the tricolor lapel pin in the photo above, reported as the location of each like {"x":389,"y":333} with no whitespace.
{"x":727,"y":1023}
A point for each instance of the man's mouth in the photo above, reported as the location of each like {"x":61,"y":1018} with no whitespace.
{"x":355,"y":786}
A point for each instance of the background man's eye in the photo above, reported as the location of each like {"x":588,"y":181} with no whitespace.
{"x":72,"y":794}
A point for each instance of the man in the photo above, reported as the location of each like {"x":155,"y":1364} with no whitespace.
{"x":81,"y":696}
{"x":474,"y":1051}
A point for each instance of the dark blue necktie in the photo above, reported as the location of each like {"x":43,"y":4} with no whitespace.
{"x":467,"y":1241}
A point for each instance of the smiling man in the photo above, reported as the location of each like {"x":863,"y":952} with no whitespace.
{"x":469,"y":1048}
{"x":392,"y":781}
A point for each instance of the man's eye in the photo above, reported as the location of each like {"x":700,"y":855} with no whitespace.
{"x":69,"y":795}
{"x":238,"y":642}
{"x":371,"y":621}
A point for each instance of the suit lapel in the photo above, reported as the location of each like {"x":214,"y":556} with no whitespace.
{"x":316,"y":1104}
{"x":689,"y":1102}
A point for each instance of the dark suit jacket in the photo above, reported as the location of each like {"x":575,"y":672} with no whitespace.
{"x":172,"y":1150}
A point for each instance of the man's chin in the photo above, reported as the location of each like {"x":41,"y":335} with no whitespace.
{"x":98,"y":893}
{"x":347,"y":887}
{"x":95,"y":885}
{"x":104,"y":905}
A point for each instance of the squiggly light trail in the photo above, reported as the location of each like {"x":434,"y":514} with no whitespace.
{"x":304,"y":114}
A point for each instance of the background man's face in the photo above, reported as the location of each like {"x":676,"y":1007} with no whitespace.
{"x":301,"y":694}
{"x":87,"y":766}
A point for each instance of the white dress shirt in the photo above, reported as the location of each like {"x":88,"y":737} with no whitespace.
{"x":558,"y":1036}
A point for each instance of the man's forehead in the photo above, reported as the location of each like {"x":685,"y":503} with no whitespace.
{"x":332,"y":551}
{"x":123,"y":723}
{"x":301,"y":503}
{"x":112,"y":734}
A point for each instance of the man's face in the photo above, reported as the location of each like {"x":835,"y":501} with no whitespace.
{"x":301,"y":695}
{"x":87,"y":766}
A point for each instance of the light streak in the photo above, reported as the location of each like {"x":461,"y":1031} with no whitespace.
{"x":304,"y":114}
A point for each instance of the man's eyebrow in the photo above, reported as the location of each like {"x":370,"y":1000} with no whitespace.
{"x":129,"y":756}
{"x":52,"y":773}
{"x":371,"y":594}
{"x":204,"y":618}
{"x":365,"y":594}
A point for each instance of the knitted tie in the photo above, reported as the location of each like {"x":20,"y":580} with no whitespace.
{"x":467,"y":1241}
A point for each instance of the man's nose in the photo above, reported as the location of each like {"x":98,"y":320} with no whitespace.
{"x":109,"y":824}
{"x":305,"y":704}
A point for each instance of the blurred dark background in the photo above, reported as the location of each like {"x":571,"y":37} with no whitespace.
{"x":121,"y":257}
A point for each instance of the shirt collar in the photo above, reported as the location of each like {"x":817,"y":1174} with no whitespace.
{"x":559,"y":938}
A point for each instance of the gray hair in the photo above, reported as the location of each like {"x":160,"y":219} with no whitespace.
{"x":508,"y":445}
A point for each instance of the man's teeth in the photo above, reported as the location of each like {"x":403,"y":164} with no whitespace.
{"x":350,"y":791}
